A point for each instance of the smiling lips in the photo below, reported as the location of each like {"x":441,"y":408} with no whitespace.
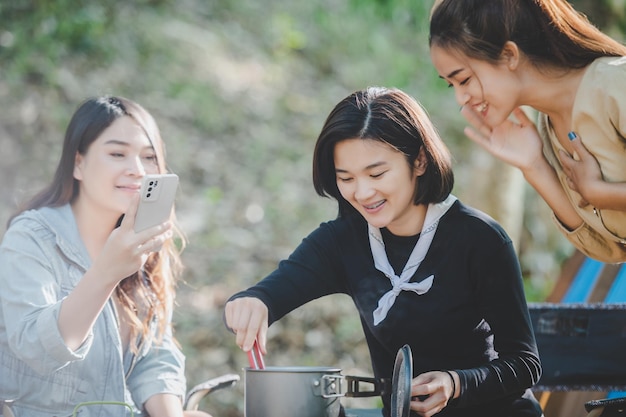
{"x":374,"y":206}
{"x":130,"y":187}
{"x":481,"y":107}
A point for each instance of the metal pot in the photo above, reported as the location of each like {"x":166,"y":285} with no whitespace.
{"x":316,"y":391}
{"x":301,"y":391}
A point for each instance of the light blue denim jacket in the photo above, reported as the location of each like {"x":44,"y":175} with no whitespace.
{"x":42,"y":258}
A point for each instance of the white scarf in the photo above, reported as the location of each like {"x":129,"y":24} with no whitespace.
{"x":401,"y":283}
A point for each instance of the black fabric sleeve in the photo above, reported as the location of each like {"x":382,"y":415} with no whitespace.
{"x":501,"y":298}
{"x":312,"y":271}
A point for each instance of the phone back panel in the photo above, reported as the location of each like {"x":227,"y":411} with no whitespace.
{"x":158,"y":193}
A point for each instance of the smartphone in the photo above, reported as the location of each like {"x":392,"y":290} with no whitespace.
{"x":158,"y":192}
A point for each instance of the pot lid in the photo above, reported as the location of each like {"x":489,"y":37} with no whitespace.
{"x":401,"y":383}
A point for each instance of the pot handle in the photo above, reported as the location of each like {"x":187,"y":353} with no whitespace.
{"x":332,"y":382}
{"x":379,"y":386}
{"x":329,"y":382}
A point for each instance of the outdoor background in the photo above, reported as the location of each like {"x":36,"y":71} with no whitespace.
{"x":240,"y":90}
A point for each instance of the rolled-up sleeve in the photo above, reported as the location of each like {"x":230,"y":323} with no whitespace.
{"x":593,"y":244}
{"x":161,"y":370}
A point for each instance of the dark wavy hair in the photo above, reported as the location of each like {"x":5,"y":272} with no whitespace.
{"x":551,"y":33}
{"x":148,"y":295}
{"x":393,"y":117}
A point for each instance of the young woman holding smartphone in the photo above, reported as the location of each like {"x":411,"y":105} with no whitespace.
{"x":86,"y":302}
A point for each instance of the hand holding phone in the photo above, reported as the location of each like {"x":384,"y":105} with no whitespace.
{"x":158,"y":192}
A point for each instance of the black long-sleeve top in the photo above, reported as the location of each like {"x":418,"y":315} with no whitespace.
{"x":473,"y":320}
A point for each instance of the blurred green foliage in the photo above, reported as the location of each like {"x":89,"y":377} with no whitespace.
{"x":39,"y":34}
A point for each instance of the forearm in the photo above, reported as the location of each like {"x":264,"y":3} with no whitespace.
{"x":545,"y":181}
{"x":607,"y":196}
{"x":164,"y":405}
{"x":82,"y":306}
{"x":498,"y":379}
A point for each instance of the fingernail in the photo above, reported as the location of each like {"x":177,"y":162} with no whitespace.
{"x":572,"y":135}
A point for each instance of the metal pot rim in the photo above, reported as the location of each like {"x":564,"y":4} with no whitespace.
{"x":296,"y":369}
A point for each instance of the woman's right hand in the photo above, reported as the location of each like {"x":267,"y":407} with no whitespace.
{"x":125,"y":251}
{"x":247,"y":318}
{"x":517,"y":144}
{"x":123,"y":254}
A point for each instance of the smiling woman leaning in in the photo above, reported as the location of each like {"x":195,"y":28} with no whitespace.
{"x":500,"y":55}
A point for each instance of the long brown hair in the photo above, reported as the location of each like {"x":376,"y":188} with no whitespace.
{"x":549,"y":32}
{"x":393,"y":117}
{"x":147,"y":295}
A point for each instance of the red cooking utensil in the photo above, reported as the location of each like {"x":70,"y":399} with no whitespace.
{"x":255,"y":357}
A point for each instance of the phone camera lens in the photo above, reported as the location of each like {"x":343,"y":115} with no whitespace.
{"x":148,"y":195}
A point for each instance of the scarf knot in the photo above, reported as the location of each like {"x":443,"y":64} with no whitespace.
{"x":401,"y":283}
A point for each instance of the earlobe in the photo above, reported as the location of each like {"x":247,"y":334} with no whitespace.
{"x":511,"y":55}
{"x":78,"y":174}
{"x":420,"y":164}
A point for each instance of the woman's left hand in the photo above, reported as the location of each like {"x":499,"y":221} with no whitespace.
{"x":430,"y":393}
{"x":582,"y":171}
